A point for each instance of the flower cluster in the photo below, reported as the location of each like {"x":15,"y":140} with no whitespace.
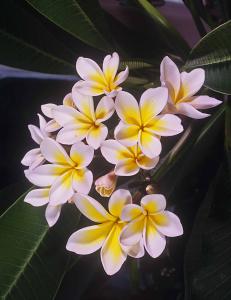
{"x":76,"y":130}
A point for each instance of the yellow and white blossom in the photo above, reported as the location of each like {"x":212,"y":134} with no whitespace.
{"x":34,"y":157}
{"x":127,"y":160}
{"x":142,"y":123}
{"x":40,"y":197}
{"x":86,"y":122}
{"x":106,"y":184}
{"x":149,"y":224}
{"x":105,"y":234}
{"x":48,"y":108}
{"x":96,"y":81}
{"x":182,"y":88}
{"x":65,"y":174}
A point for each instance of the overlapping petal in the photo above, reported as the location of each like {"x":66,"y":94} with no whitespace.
{"x":149,"y":144}
{"x":166,"y":125}
{"x":38,"y":197}
{"x":96,"y":135}
{"x":118,"y":200}
{"x":154,"y":203}
{"x":82,"y":180}
{"x":52,"y":214}
{"x":81,"y":154}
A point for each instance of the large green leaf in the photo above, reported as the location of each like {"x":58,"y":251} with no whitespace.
{"x":168,"y":33}
{"x":36,"y":49}
{"x":33,"y":258}
{"x":75,"y":17}
{"x":213,"y":54}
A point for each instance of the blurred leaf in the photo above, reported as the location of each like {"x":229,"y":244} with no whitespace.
{"x":76,"y":18}
{"x":35,"y":49}
{"x":33,"y":258}
{"x":170,"y":35}
{"x":135,"y":64}
{"x":213,"y":54}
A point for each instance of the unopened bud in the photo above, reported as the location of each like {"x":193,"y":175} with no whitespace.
{"x":150,"y":189}
{"x":105,"y":185}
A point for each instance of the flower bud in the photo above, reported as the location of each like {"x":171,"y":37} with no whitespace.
{"x":150,"y":189}
{"x":105,"y":185}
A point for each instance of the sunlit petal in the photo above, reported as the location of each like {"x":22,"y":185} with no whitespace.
{"x":118,"y":200}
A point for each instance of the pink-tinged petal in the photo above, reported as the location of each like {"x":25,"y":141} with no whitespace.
{"x":52,"y":126}
{"x":166,"y":125}
{"x":37,"y":197}
{"x":89,"y":88}
{"x":154,"y":242}
{"x":61,"y":190}
{"x":36,"y":134}
{"x":104,"y":109}
{"x":89,"y":70}
{"x":68,"y":100}
{"x":110,"y":66}
{"x":112,"y":254}
{"x":127,"y":134}
{"x":84,"y":104}
{"x":42,"y":124}
{"x":204,"y":102}
{"x":127,"y":108}
{"x":170,"y":77}
{"x":131,"y":212}
{"x":121,"y":77}
{"x":82,"y":180}
{"x":188,"y":110}
{"x":191,"y":83}
{"x":64,"y":115}
{"x":118,"y":200}
{"x":72,"y":133}
{"x":92,"y":209}
{"x":39,"y":160}
{"x":136,"y":251}
{"x":152,"y":102}
{"x":54,"y":152}
{"x":52,"y":214}
{"x":30,"y":157}
{"x":147,"y":163}
{"x":168,"y":223}
{"x":81,"y":154}
{"x":106,"y":184}
{"x":47,"y":109}
{"x":89,"y":239}
{"x":96,"y":135}
{"x":149,"y":144}
{"x":44,"y":175}
{"x":154,"y":203}
{"x":114,"y":152}
{"x":132,"y":232}
{"x":127,"y":167}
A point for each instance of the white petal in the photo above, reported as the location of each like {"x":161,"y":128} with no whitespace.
{"x":89,"y":239}
{"x":42,"y":124}
{"x":188,"y":110}
{"x":154,"y":203}
{"x":52,"y":126}
{"x":127,"y":134}
{"x":84,"y":104}
{"x":110,"y":66}
{"x":147,"y":163}
{"x":168,"y":224}
{"x":136,"y":251}
{"x":30,"y":157}
{"x":68,"y":100}
{"x":64,"y":115}
{"x":104,"y":109}
{"x":39,"y":160}
{"x":82,"y":180}
{"x":37,"y":197}
{"x":47,"y":109}
{"x":121,"y":77}
{"x":166,"y":125}
{"x":204,"y":102}
{"x":92,"y":209}
{"x":52,"y":214}
{"x":192,"y":82}
{"x":127,"y":167}
{"x":149,"y":144}
{"x":36,"y":134}
{"x":72,"y":133}
{"x":132,"y":232}
{"x":118,"y":200}
{"x":89,"y":70}
{"x":113,"y":151}
{"x":81,"y":154}
{"x":131,"y":212}
{"x":96,"y":135}
{"x":89,"y":88}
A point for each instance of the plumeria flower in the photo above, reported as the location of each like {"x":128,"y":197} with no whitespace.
{"x":86,"y":122}
{"x":40,"y":197}
{"x":182,"y":88}
{"x":142,"y":123}
{"x":34,"y":157}
{"x":106,"y":184}
{"x":127,"y":160}
{"x":96,"y":81}
{"x":48,"y":108}
{"x":65,"y":174}
{"x":105,"y":234}
{"x":149,"y":224}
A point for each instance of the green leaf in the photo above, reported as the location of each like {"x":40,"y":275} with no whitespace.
{"x":135,"y":64}
{"x":170,"y":35}
{"x":213,"y":54}
{"x":33,"y":258}
{"x":76,"y":18}
{"x":36,"y":49}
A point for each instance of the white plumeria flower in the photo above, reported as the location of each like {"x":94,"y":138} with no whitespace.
{"x":96,"y":81}
{"x":34,"y":157}
{"x":105,"y":234}
{"x":149,"y":224}
{"x":106,"y":184}
{"x":86,"y":122}
{"x":182,"y":87}
{"x":48,"y":108}
{"x":142,"y":123}
{"x":127,"y":160}
{"x":40,"y":197}
{"x":66,"y":174}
